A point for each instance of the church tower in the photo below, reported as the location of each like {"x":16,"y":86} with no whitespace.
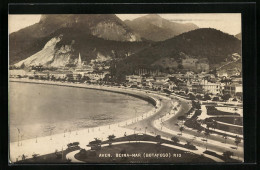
{"x":79,"y":61}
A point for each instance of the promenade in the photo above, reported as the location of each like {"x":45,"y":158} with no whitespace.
{"x":48,"y":144}
{"x":149,"y":123}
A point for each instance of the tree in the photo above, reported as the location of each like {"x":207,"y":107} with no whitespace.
{"x":35,"y":156}
{"x":234,"y":100}
{"x":22,"y":66}
{"x":239,"y":95}
{"x":199,"y":131}
{"x":206,"y":134}
{"x":225,"y":137}
{"x":186,"y":91}
{"x":196,"y":105}
{"x":227,"y":154}
{"x":192,"y":97}
{"x":180,"y":66}
{"x":215,"y":99}
{"x":110,"y":139}
{"x":58,"y":155}
{"x":175,"y":139}
{"x":181,"y":129}
{"x":158,"y":138}
{"x":226,"y":97}
{"x":199,"y":97}
{"x":237,"y":141}
{"x":207,"y":97}
{"x":182,"y":118}
{"x":95,"y":145}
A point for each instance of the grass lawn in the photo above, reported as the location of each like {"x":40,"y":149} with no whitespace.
{"x":211,"y":110}
{"x":139,"y":153}
{"x":232,"y":129}
{"x":49,"y":158}
{"x":144,"y":137}
{"x":230,"y":120}
{"x":221,"y":156}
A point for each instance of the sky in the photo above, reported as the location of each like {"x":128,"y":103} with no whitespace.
{"x":227,"y":22}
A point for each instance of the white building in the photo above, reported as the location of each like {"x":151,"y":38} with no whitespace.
{"x":134,"y":79}
{"x":208,"y":87}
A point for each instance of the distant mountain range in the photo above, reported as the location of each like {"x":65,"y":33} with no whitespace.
{"x":208,"y":43}
{"x":57,"y":40}
{"x":155,"y":28}
{"x":30,"y":40}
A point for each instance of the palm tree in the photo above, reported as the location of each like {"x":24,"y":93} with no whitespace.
{"x":175,"y":139}
{"x":237,"y":141}
{"x":134,"y":130}
{"x":158,"y":138}
{"x":207,"y":134}
{"x":235,"y":109}
{"x":181,"y":129}
{"x":227,"y":154}
{"x":225,"y":137}
{"x":110,"y":139}
{"x":199,"y":131}
{"x":182,"y":118}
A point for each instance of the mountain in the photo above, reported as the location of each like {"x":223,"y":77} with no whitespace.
{"x":205,"y":43}
{"x":238,"y":36}
{"x":155,"y":28}
{"x":30,"y":40}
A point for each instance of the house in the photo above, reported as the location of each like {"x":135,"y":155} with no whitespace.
{"x":41,"y":75}
{"x":208,"y":87}
{"x":17,"y":73}
{"x":59,"y":74}
{"x":233,"y":89}
{"x":160,"y":85}
{"x":134,"y":79}
{"x":96,"y":75}
{"x":161,"y":79}
{"x":73,"y":76}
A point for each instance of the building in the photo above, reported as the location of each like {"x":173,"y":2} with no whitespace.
{"x":59,"y":74}
{"x":233,"y":89}
{"x":160,"y":85}
{"x":79,"y":63}
{"x":96,"y":75}
{"x":41,"y":75}
{"x":134,"y":79}
{"x":196,"y":88}
{"x":161,"y":79}
{"x":17,"y":73}
{"x":208,"y":87}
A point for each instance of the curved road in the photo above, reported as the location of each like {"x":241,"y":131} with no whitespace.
{"x":166,"y":107}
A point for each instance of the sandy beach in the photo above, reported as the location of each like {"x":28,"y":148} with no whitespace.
{"x":48,"y":144}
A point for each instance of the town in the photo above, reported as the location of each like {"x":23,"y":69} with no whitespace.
{"x":202,"y":84}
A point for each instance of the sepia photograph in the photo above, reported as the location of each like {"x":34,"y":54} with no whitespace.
{"x":125,"y":88}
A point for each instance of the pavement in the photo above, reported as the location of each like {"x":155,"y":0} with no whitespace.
{"x":144,"y":123}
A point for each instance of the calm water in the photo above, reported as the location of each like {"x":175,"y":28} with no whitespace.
{"x":35,"y":109}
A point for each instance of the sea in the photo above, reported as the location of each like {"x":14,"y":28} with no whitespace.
{"x":37,"y":110}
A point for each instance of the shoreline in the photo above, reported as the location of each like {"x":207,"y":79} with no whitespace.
{"x":110,"y":89}
{"x":58,"y":141}
{"x":93,"y":87}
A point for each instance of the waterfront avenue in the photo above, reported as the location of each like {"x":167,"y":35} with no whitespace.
{"x":142,"y":124}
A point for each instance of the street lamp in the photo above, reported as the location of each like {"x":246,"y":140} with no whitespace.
{"x":18,"y":135}
{"x":135,"y":115}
